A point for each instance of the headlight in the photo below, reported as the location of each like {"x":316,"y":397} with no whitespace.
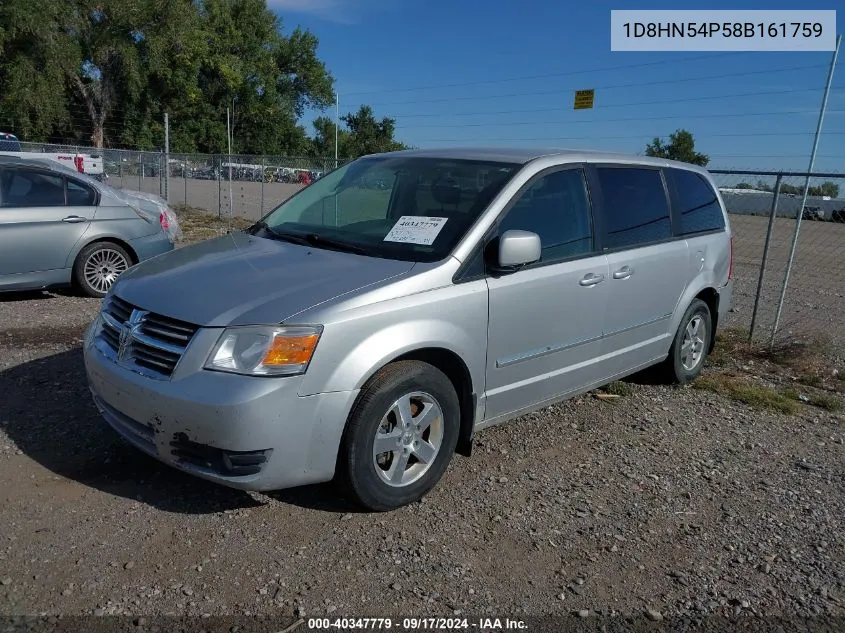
{"x":264,"y":351}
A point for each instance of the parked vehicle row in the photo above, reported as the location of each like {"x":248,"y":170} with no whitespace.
{"x":238,"y":171}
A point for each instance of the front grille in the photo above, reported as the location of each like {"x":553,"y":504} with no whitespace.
{"x":152,"y":343}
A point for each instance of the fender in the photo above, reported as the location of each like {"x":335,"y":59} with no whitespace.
{"x":362,"y":340}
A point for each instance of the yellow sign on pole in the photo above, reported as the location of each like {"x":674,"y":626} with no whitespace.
{"x":584,"y":99}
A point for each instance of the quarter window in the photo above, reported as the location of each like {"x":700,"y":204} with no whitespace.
{"x":636,"y":209}
{"x":698,"y":206}
{"x":556,"y":208}
{"x":78,"y":195}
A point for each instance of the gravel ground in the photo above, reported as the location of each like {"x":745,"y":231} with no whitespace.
{"x":659,"y":504}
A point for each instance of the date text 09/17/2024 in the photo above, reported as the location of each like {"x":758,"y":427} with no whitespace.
{"x":417,"y":624}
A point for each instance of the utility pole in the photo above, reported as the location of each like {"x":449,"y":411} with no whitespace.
{"x":166,"y":159}
{"x":336,"y":125}
{"x":229,"y":139}
{"x":233,"y":123}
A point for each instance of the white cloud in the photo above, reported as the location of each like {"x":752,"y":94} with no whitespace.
{"x":340,"y":11}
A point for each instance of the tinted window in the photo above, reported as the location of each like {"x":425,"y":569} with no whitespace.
{"x":78,"y":195}
{"x":557,"y":209}
{"x":25,"y":188}
{"x":698,"y":206}
{"x":635,"y":206}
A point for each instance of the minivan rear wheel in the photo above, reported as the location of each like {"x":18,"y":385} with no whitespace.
{"x":400,"y":436}
{"x":690,"y":345}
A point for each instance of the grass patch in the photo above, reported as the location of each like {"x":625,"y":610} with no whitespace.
{"x":759,"y":397}
{"x":825,"y":401}
{"x":200,"y":225}
{"x":618,"y":388}
{"x":811,"y":380}
{"x":730,"y":345}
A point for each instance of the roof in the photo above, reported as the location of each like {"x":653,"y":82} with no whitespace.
{"x":522,"y":155}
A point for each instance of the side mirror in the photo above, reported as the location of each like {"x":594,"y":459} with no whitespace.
{"x":518,"y":248}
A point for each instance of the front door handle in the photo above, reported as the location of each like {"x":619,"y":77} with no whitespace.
{"x":623,"y":273}
{"x":591,"y":279}
{"x":71,"y":219}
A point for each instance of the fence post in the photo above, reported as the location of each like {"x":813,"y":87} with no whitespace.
{"x":800,"y":214}
{"x":772,"y":217}
{"x":219,"y":187}
{"x":263,"y":176}
{"x":140,"y":171}
{"x":166,"y":159}
{"x":185,"y":177}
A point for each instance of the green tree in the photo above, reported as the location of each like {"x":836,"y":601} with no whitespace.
{"x":827,"y":188}
{"x":681,"y":147}
{"x":361,"y":134}
{"x":108,"y":70}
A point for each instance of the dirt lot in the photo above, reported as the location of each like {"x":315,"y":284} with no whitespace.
{"x":723,"y":499}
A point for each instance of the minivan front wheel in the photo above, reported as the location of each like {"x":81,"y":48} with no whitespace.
{"x":400,"y":436}
{"x":689,"y":348}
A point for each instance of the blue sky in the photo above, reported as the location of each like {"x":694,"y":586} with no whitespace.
{"x":467,"y":72}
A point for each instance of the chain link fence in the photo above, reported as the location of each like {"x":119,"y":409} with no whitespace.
{"x":773,"y":243}
{"x":228,"y":185}
{"x":775,"y":237}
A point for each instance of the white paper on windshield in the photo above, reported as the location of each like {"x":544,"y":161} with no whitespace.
{"x":416,"y":229}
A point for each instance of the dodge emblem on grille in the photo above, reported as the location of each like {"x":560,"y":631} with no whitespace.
{"x":128,"y":331}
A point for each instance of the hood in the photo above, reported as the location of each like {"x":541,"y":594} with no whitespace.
{"x":239,"y":279}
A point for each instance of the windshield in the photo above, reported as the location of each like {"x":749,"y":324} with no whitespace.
{"x":398,"y":207}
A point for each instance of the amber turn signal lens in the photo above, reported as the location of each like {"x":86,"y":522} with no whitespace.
{"x":291,"y":350}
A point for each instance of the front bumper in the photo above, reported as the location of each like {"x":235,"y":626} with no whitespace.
{"x":238,"y":431}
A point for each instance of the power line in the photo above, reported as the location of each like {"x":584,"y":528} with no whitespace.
{"x":618,"y":105}
{"x":543,"y":76}
{"x":550,"y":139}
{"x":687,"y":116}
{"x":600,"y":107}
{"x":607,"y":87}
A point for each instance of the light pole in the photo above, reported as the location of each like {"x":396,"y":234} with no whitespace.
{"x":336,"y":125}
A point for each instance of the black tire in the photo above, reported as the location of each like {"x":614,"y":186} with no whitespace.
{"x":673,"y":370}
{"x":113,"y":255}
{"x":357,"y":464}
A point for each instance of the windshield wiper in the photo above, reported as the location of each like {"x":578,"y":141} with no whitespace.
{"x":279,"y":235}
{"x":318,"y":240}
{"x":311,"y":239}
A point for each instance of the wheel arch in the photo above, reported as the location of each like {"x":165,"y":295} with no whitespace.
{"x":456,"y":370}
{"x":458,"y":373}
{"x":82,"y":245}
{"x":710,"y":296}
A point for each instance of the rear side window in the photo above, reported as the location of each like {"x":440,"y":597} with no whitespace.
{"x":78,"y":195}
{"x":29,"y":188}
{"x":635,"y":206}
{"x":698,"y":205}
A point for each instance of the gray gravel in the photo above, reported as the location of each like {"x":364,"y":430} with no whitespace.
{"x":665,"y":502}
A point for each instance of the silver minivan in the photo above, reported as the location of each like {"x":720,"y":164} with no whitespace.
{"x":365,"y":329}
